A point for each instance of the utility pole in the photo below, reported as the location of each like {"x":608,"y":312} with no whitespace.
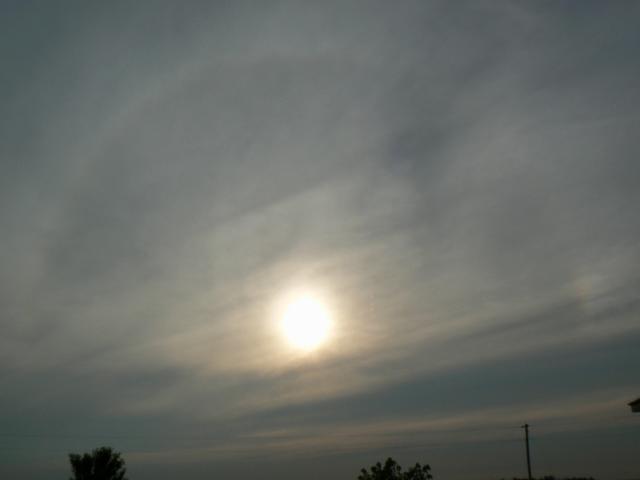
{"x":526,"y":441}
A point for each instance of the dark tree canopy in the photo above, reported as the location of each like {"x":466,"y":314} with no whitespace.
{"x":101,"y":464}
{"x":391,"y":470}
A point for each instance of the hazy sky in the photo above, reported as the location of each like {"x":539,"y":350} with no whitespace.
{"x":457,"y":180}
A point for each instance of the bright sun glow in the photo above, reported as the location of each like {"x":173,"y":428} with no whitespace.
{"x":306,"y":323}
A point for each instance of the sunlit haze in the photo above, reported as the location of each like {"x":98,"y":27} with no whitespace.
{"x":287,"y":239}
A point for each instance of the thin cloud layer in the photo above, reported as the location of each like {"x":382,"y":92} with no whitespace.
{"x":459,"y":181}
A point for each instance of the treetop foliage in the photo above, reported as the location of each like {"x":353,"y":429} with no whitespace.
{"x":391,"y":470}
{"x":101,"y":464}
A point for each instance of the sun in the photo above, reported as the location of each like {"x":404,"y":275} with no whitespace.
{"x":306,"y":323}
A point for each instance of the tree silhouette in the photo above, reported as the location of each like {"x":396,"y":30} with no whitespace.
{"x":101,"y":464}
{"x":391,"y":470}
